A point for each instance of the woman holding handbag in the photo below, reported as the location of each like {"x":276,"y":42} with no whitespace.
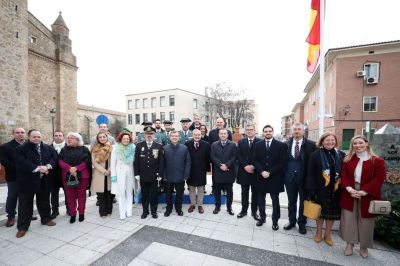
{"x":122,"y":177}
{"x":323,"y":183}
{"x":101,"y":177}
{"x":363,"y":174}
{"x":75,"y":163}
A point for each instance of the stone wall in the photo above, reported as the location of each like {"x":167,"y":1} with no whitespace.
{"x":13,"y":66}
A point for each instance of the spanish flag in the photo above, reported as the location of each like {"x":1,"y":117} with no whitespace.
{"x":313,"y":38}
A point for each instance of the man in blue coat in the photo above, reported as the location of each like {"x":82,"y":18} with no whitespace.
{"x":176,"y":171}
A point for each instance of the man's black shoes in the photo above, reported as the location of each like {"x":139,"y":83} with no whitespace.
{"x":302,"y":229}
{"x":289,"y":226}
{"x":241,"y":215}
{"x":275,"y":226}
{"x":260,"y":222}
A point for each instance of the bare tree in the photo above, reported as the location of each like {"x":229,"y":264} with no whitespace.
{"x":230,"y":105}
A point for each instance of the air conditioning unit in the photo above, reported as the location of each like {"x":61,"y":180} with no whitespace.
{"x":360,"y":73}
{"x":372,"y":80}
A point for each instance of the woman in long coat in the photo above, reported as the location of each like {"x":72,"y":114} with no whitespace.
{"x":323,"y":183}
{"x":363,"y":174}
{"x":122,"y":178}
{"x":101,"y":177}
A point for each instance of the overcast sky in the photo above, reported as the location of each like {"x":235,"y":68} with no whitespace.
{"x":127,"y":46}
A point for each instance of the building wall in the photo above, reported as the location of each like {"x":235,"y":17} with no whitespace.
{"x":13,"y":67}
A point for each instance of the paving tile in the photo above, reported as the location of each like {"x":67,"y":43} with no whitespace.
{"x":262,"y":243}
{"x":110,"y":233}
{"x":43,"y":244}
{"x":141,"y":262}
{"x":17,"y":254}
{"x":185,"y":228}
{"x":95,"y":243}
{"x":283,"y":238}
{"x":212,"y":261}
{"x":310,"y":253}
{"x":204,"y":232}
{"x":73,"y":254}
{"x":285,"y":248}
{"x":65,"y":234}
{"x":49,"y":261}
{"x":208,"y":224}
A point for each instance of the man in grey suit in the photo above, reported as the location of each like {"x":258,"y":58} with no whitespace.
{"x":223,"y":156}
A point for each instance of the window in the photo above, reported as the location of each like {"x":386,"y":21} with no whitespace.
{"x":171,"y":100}
{"x":137,"y":103}
{"x":144,"y":102}
{"x":172,"y":116}
{"x":194,"y":103}
{"x":130,"y":119}
{"x":144,"y":117}
{"x":162,"y":116}
{"x":130,"y":104}
{"x":153,"y":102}
{"x":137,"y":119}
{"x":162,"y":101}
{"x":370,"y":104}
{"x":33,"y":40}
{"x":371,"y":73}
{"x":207,"y":119}
{"x":153,"y":117}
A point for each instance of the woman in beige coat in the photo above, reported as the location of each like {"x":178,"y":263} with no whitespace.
{"x":101,"y":177}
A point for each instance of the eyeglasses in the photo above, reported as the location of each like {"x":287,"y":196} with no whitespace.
{"x":19,"y":132}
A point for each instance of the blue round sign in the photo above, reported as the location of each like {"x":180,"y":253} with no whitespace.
{"x":102,"y":119}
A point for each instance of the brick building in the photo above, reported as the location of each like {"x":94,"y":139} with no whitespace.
{"x":362,"y":84}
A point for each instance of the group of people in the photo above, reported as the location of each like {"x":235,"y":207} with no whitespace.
{"x":342,"y":184}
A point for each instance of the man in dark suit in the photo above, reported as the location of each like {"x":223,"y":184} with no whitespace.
{"x":213,"y":136}
{"x":269,"y":158}
{"x":196,"y":122}
{"x":246,"y":176}
{"x":35,"y":162}
{"x":199,"y":151}
{"x":298,"y":152}
{"x":7,"y":160}
{"x":223,"y":156}
{"x":157,"y":124}
{"x":149,"y":170}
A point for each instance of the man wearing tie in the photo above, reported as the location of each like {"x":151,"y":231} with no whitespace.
{"x":185,"y":134}
{"x":167,"y":130}
{"x":269,"y":158}
{"x":299,"y":150}
{"x":149,"y":170}
{"x":35,"y":163}
{"x":223,"y":156}
{"x":246,"y":176}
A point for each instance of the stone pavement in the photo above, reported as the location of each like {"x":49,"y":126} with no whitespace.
{"x":194,"y":239}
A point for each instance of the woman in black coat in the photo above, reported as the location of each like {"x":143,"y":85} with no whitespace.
{"x":200,"y":157}
{"x":323,"y":183}
{"x":204,"y":131}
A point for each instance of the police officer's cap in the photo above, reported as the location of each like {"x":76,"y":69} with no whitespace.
{"x":167,"y":122}
{"x":149,"y":130}
{"x":147,"y":123}
{"x":183,"y":120}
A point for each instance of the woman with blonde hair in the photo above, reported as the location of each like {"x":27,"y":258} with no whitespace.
{"x":323,"y":183}
{"x":122,"y":177}
{"x":363,"y":174}
{"x":101,"y":177}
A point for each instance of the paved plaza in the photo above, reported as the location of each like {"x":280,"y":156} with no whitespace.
{"x":194,"y":239}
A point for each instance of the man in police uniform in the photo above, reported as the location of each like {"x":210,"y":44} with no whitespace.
{"x":185,"y":134}
{"x":149,"y":167}
{"x":159,"y":136}
{"x":167,"y":130}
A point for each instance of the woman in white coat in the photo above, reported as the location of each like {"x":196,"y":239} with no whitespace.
{"x":122,"y":176}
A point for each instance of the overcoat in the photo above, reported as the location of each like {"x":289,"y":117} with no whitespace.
{"x":200,"y":163}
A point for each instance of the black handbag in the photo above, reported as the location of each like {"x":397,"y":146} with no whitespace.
{"x":72,"y":181}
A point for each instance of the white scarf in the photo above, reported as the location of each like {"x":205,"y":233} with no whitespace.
{"x":58,"y":146}
{"x":363,"y":156}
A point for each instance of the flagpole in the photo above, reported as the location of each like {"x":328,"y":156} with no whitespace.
{"x":322,"y":69}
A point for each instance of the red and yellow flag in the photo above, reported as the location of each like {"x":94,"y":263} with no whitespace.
{"x":313,"y":38}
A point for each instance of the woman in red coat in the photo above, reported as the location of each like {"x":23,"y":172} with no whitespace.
{"x":363,"y":174}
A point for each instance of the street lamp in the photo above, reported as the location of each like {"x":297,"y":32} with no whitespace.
{"x":53,"y":115}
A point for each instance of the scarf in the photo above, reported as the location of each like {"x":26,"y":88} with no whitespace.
{"x":326,"y":167}
{"x":59,"y":146}
{"x":101,"y":152}
{"x":125,"y":153}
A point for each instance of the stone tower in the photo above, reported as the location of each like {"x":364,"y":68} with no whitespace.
{"x":67,"y":103}
{"x":14,"y":95}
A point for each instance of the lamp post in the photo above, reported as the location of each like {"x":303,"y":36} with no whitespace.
{"x":53,"y":115}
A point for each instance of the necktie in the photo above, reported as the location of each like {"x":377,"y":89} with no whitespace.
{"x":296,"y":150}
{"x":184,"y":132}
{"x":148,"y":145}
{"x":267,"y":145}
{"x":250,"y":143}
{"x":196,"y":145}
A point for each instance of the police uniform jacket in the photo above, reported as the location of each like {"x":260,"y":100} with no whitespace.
{"x":149,"y":162}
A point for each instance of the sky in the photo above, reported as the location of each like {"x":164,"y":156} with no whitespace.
{"x":132,"y":46}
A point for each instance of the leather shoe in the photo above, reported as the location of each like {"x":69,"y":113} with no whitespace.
{"x":72,"y":219}
{"x":180,"y":213}
{"x":329,"y":242}
{"x":50,"y":223}
{"x":54,"y":215}
{"x":216,"y":210}
{"x":241,"y":215}
{"x":191,"y":208}
{"x":201,"y":210}
{"x":10,"y":222}
{"x":255,"y":216}
{"x":34,"y":218}
{"x":260,"y":222}
{"x":154,"y":215}
{"x":144,"y":215}
{"x":20,"y":233}
{"x":275,"y":226}
{"x":230,"y":212}
{"x":167,"y":213}
{"x":289,"y":226}
{"x":302,"y":229}
{"x":81,"y":217}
